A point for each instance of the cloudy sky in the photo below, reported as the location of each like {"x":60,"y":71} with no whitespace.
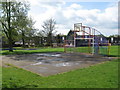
{"x":101,"y":15}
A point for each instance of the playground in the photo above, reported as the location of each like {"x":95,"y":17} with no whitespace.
{"x":93,"y":41}
{"x":84,"y":48}
{"x":83,"y":60}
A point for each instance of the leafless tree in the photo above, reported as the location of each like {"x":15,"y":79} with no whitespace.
{"x":49,"y":27}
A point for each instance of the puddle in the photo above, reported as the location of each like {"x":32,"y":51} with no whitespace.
{"x":40,"y":58}
{"x":52,"y":60}
{"x":56,"y":59}
{"x":58,"y":62}
{"x":42,"y":62}
{"x":56,"y":55}
{"x":37,"y":63}
{"x":66,"y":64}
{"x":62,"y":64}
{"x":49,"y":55}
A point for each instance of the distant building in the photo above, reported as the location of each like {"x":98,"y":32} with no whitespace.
{"x":114,"y":39}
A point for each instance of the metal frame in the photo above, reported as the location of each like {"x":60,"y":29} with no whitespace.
{"x":92,"y":36}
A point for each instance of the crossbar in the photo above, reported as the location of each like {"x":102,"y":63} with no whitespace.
{"x":83,"y":38}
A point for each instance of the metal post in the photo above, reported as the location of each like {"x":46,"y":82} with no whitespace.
{"x":89,"y":39}
{"x":74,"y":36}
{"x":93,"y":40}
{"x":83,"y":32}
{"x":74,"y":40}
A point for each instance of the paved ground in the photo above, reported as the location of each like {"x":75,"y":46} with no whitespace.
{"x":46,"y":64}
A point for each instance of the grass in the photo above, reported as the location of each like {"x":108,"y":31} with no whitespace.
{"x":113,"y":50}
{"x":20,"y":48}
{"x":79,"y":49}
{"x":98,"y":76}
{"x":0,"y":77}
{"x":6,"y":52}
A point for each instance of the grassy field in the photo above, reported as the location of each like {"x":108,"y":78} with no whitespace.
{"x":113,"y":50}
{"x":39,"y":50}
{"x":102,"y":50}
{"x":98,"y":76}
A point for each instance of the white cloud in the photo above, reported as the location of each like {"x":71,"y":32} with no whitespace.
{"x":75,"y":6}
{"x":66,"y":15}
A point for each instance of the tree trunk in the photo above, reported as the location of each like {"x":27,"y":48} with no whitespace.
{"x":10,"y":30}
{"x":23,"y":42}
{"x":41,"y":41}
{"x":10,"y":45}
{"x":49,"y":39}
{"x":29,"y":43}
{"x":23,"y":39}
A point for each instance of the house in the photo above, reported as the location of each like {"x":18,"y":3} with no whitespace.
{"x":79,"y":42}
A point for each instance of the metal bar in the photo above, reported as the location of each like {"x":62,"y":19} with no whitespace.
{"x":83,"y":32}
{"x":68,"y":40}
{"x":89,"y":43}
{"x":83,"y":38}
{"x":74,"y":36}
{"x":93,"y":40}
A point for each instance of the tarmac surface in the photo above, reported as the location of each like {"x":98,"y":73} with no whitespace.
{"x":46,"y":64}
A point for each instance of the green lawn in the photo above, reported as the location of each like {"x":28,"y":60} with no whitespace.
{"x":39,"y":50}
{"x":0,"y":77}
{"x":98,"y":76}
{"x":79,"y":49}
{"x":113,"y":50}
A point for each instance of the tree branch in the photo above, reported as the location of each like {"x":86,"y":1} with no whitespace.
{"x":5,"y":32}
{"x":4,"y":25}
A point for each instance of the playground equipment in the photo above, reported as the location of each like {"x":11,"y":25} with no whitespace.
{"x":87,"y":40}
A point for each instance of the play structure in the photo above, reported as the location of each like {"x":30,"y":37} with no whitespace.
{"x":85,"y":39}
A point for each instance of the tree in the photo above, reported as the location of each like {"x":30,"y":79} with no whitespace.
{"x":49,"y":27}
{"x":26,"y":29}
{"x":38,"y":39}
{"x":11,"y":12}
{"x":30,"y":31}
{"x":58,"y":39}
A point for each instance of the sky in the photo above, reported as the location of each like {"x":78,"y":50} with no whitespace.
{"x":103,"y":16}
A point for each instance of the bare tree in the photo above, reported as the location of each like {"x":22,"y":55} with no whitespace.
{"x":40,"y":35}
{"x":49,"y":27}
